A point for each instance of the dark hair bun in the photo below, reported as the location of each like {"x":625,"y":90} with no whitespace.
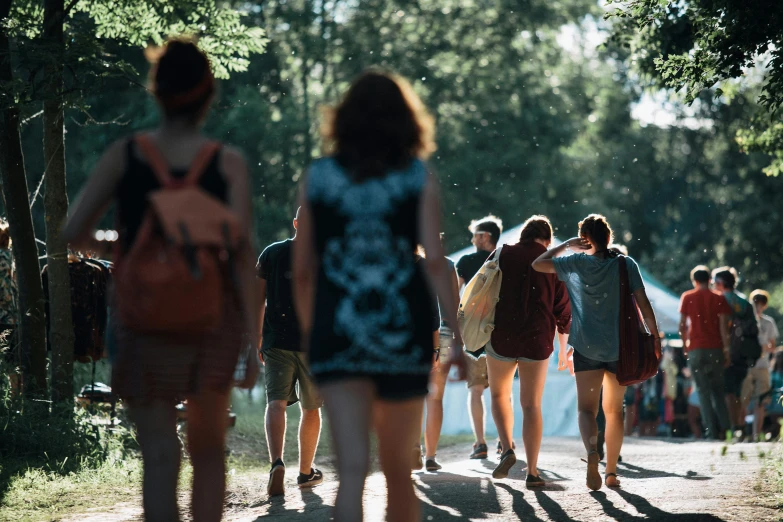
{"x":597,"y":229}
{"x":182,"y":78}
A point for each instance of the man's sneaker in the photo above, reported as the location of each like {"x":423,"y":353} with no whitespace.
{"x":313,"y":479}
{"x":417,"y":462}
{"x":508,"y":459}
{"x":432,"y":464}
{"x":276,"y":484}
{"x":479,"y":451}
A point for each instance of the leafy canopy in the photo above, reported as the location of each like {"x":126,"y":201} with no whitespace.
{"x":694,"y":45}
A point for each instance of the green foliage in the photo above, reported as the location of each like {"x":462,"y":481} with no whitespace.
{"x":703,"y":44}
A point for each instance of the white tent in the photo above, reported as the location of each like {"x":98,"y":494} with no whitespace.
{"x":559,"y":402}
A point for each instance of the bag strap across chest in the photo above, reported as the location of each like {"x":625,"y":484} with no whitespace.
{"x":160,"y":166}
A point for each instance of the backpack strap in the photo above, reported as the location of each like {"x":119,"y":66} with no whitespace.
{"x":154,"y":158}
{"x":201,"y":162}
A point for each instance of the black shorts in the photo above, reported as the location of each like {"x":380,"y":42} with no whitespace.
{"x":387,"y":387}
{"x":733,"y":377}
{"x":584,"y":364}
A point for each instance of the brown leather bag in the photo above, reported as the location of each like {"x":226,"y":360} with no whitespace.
{"x":171,"y":280}
{"x":639,"y":354}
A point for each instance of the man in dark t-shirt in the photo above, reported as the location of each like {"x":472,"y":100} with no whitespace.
{"x":286,"y":368}
{"x":486,"y":234}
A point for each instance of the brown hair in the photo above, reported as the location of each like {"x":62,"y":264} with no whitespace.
{"x":181,"y":77}
{"x":536,"y":227}
{"x":5,"y":235}
{"x":380,"y":125}
{"x":597,"y":230}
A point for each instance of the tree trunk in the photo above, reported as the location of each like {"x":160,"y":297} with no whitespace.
{"x":32,"y":326}
{"x":61,"y":335}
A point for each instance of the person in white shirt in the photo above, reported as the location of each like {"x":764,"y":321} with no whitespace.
{"x":756,"y":386}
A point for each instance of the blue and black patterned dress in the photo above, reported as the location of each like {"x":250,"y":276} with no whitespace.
{"x":373,"y":308}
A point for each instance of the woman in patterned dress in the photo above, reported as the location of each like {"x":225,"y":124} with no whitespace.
{"x":364,"y":304}
{"x":8,"y":306}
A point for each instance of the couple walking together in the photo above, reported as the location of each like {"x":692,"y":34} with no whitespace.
{"x":362,"y":300}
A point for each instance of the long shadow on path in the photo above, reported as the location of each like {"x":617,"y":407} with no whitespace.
{"x":648,"y":511}
{"x":443,"y":490}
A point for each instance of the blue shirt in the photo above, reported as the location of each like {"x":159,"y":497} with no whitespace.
{"x":594,"y":289}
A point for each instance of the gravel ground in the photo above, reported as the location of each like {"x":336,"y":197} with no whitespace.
{"x":662,"y":481}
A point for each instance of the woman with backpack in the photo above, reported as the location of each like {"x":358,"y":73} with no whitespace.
{"x":364,"y":304}
{"x":532,"y":307}
{"x":185,"y":299}
{"x":592,"y":277}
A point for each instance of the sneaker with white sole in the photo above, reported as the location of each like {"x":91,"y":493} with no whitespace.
{"x":276,"y":485}
{"x":313,"y":479}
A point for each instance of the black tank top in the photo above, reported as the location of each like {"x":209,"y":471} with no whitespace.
{"x":139,"y":180}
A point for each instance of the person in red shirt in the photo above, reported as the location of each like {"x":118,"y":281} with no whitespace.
{"x":531,"y":307}
{"x":704,"y":329}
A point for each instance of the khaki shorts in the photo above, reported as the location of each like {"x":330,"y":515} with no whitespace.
{"x":477,"y":372}
{"x":756,"y":384}
{"x":287,"y":378}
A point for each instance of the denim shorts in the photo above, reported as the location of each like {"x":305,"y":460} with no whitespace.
{"x":585,"y":364}
{"x":492,"y":353}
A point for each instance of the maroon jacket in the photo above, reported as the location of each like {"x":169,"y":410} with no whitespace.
{"x":530,"y":306}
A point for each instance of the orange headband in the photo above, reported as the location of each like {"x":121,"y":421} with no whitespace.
{"x":183,"y":99}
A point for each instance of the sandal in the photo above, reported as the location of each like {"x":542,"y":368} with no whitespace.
{"x":616,"y":481}
{"x":593,"y":476}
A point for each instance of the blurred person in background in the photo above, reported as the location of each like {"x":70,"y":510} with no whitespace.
{"x":757,"y":385}
{"x":152,"y":371}
{"x":363,"y":302}
{"x":704,"y":330}
{"x":9,"y":313}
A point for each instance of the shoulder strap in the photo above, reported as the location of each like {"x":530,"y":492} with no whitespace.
{"x":155,"y":159}
{"x":201,"y":162}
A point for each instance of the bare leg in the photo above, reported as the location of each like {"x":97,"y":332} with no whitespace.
{"x":588,"y":391}
{"x":630,"y":418}
{"x":532,"y":376}
{"x":694,"y":421}
{"x":207,"y":426}
{"x":309,"y":433}
{"x":349,"y":405}
{"x":613,"y":409}
{"x":275,"y":429}
{"x":156,"y":424}
{"x":501,"y":382}
{"x":397,"y":426}
{"x":476,"y":411}
{"x":434,"y":420}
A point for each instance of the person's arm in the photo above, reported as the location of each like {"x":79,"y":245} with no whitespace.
{"x":95,"y":197}
{"x":261,"y":312}
{"x":235,"y":171}
{"x":725,"y":335}
{"x":436,"y":267}
{"x":648,"y":314}
{"x":305,"y":264}
{"x":683,"y":330}
{"x":456,"y":282}
{"x":544,"y":262}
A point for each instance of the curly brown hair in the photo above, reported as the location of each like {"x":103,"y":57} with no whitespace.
{"x":536,"y":227}
{"x":380,"y":125}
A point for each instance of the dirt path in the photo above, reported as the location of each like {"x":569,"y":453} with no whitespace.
{"x":673,"y":482}
{"x":662,"y":481}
